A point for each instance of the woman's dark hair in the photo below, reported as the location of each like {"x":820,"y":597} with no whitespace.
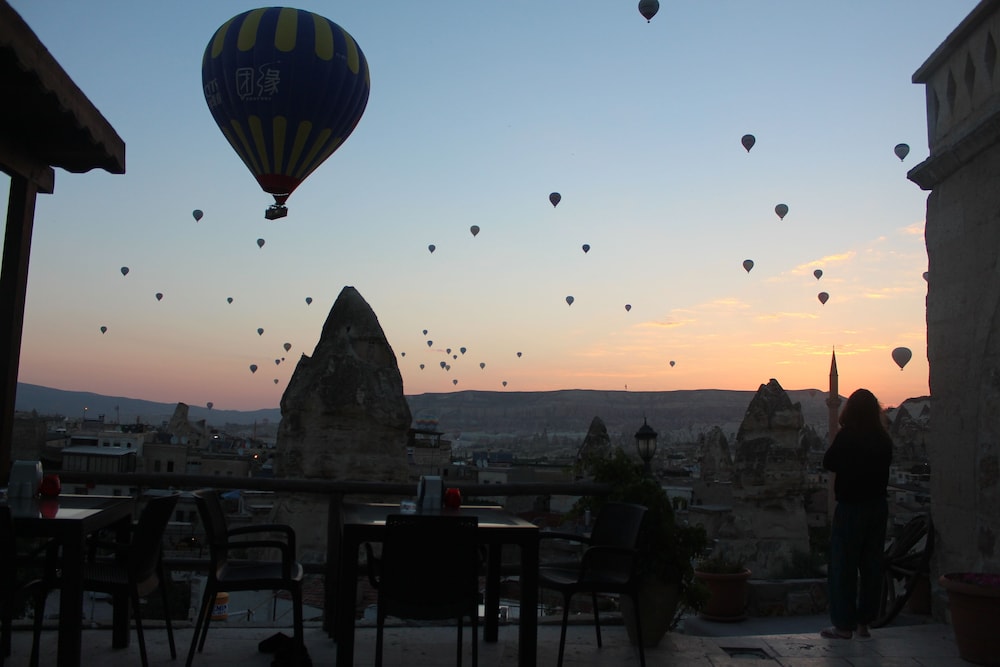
{"x":862,"y":413}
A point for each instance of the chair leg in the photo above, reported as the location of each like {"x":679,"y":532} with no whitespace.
{"x":203,"y":612}
{"x":36,"y":635}
{"x":597,"y":618}
{"x":300,"y":640}
{"x":475,"y":637}
{"x":562,"y":633}
{"x":133,"y":598}
{"x":638,"y":629}
{"x":458,"y":659}
{"x":379,"y":628}
{"x":209,"y":607}
{"x":165,"y":594}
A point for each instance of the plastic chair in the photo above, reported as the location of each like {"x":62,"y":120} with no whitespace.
{"x":137,"y":569}
{"x":429,"y":569}
{"x":245,"y":575}
{"x":14,"y":593}
{"x":608,"y":565}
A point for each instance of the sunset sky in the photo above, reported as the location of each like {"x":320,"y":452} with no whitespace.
{"x":477,"y":112}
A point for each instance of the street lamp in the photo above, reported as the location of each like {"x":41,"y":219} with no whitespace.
{"x":645,"y":442}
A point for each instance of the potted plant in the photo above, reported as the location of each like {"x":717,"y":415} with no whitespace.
{"x":726,"y":581}
{"x":974,"y":603}
{"x":667,"y":548}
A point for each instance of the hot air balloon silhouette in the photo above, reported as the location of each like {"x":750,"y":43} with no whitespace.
{"x":124,"y":270}
{"x":747,"y":265}
{"x":555,"y":198}
{"x":901,"y":151}
{"x":287,"y":346}
{"x":104,"y":330}
{"x":275,"y":380}
{"x":277,"y":361}
{"x":628,"y":307}
{"x":260,"y":243}
{"x":781,"y":210}
{"x":253,"y":368}
{"x":286,"y":87}
{"x":209,"y":405}
{"x":672,"y":363}
{"x":901,"y":355}
{"x":454,"y":381}
{"x":818,"y":273}
{"x":569,"y":300}
{"x":504,"y":383}
{"x":586,"y":248}
{"x":748,"y":141}
{"x":159,"y":296}
{"x":474,"y":229}
{"x":309,"y":300}
{"x":432,"y":248}
{"x":444,"y":364}
{"x":462,"y":350}
{"x":482,"y":365}
{"x":518,"y":355}
{"x":648,"y":9}
{"x":260,"y":331}
{"x":823,"y":297}
{"x":197,"y":214}
{"x":421,"y":367}
{"x":430,"y":343}
{"x":229,"y":299}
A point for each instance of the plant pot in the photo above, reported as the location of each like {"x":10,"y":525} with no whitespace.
{"x":658,"y":602}
{"x":975,"y":615}
{"x":727,"y":595}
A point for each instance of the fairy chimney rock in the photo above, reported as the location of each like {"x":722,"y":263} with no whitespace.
{"x":596,"y":444}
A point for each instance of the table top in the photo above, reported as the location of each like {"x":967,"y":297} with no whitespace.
{"x":66,"y":508}
{"x":490,"y":516}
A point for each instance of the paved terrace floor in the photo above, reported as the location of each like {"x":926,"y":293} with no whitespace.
{"x":788,"y":642}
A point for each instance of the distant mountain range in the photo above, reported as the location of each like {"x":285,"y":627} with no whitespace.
{"x":474,"y":415}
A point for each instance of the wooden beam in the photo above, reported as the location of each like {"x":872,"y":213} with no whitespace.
{"x":15,"y":163}
{"x":13,"y":287}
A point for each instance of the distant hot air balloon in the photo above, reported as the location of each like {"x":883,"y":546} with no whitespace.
{"x":570,"y":300}
{"x":421,"y":367}
{"x":901,"y":151}
{"x":287,"y":346}
{"x":444,"y":364}
{"x":432,"y":248}
{"x":648,"y":9}
{"x":425,"y":332}
{"x":454,"y":381}
{"x":518,"y":355}
{"x":628,"y":307}
{"x":277,"y":361}
{"x":504,"y":383}
{"x":197,"y":214}
{"x":747,"y":265}
{"x":748,"y":141}
{"x":124,"y":270}
{"x":209,"y":405}
{"x":275,"y":380}
{"x":402,"y":354}
{"x":253,"y":368}
{"x":260,"y":243}
{"x":586,"y":248}
{"x":555,"y":198}
{"x":104,"y":330}
{"x":925,"y":275}
{"x":286,"y":87}
{"x":309,"y":300}
{"x":672,"y":363}
{"x":462,"y":350}
{"x":429,"y":343}
{"x":229,"y":299}
{"x":260,"y":331}
{"x":447,"y":351}
{"x":902,"y":356}
{"x":818,"y":273}
{"x":482,"y":365}
{"x":475,"y":230}
{"x":159,"y":296}
{"x":781,"y":210}
{"x":823,"y":296}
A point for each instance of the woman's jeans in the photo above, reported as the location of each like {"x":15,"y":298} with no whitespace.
{"x":857,"y":543}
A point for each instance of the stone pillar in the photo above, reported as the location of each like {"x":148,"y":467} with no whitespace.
{"x":962,"y":79}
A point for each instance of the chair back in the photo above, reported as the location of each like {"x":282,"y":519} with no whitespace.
{"x":430,"y":566}
{"x":147,"y":536}
{"x":617,"y":525}
{"x":213,"y":519}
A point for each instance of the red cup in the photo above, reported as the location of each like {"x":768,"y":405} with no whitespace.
{"x":50,"y":487}
{"x":452,"y":498}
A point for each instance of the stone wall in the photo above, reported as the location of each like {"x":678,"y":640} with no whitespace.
{"x":962,"y":233}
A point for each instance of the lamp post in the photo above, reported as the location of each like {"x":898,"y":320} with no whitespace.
{"x":645,"y":442}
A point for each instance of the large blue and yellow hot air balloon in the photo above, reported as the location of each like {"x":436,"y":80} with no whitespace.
{"x":286,"y":87}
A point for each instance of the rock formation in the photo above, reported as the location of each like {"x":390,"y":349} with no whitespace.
{"x":715,"y":461}
{"x":343,"y":414}
{"x":181,"y":428}
{"x":768,"y":523}
{"x":596,"y":445}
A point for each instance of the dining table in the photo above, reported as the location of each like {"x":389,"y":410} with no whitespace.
{"x":365,"y":522}
{"x":68,"y":520}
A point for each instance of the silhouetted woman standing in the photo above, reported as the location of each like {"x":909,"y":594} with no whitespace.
{"x":860,"y":457}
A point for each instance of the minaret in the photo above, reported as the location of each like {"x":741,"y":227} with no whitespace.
{"x":833,"y":400}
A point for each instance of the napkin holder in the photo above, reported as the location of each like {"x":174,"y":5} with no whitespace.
{"x":429,"y":492}
{"x":25,"y":477}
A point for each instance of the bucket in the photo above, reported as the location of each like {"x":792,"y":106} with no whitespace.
{"x":220,"y":611}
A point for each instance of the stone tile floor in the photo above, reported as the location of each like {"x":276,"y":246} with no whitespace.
{"x":776,"y":642}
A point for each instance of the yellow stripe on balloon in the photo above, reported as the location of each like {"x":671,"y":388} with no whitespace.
{"x":247,"y":154}
{"x":310,"y":162}
{"x":257,"y":132}
{"x":248,"y":31}
{"x":287,"y":30}
{"x":301,"y":135}
{"x":353,"y":61}
{"x":324,"y":38}
{"x":279,"y":127}
{"x":234,"y":142}
{"x":220,"y":38}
